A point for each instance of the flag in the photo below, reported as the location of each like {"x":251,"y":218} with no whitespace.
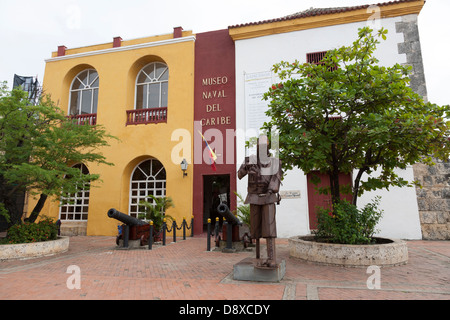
{"x":212,"y":155}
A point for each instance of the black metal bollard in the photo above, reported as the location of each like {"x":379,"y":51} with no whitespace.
{"x":229,"y":235}
{"x":150,"y":239}
{"x":164,"y":228}
{"x":208,"y":237}
{"x":174,"y":228}
{"x":184,"y":228}
{"x":58,"y":224}
{"x":192,"y":226}
{"x":216,"y":232}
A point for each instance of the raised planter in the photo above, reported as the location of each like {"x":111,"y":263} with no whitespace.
{"x":34,"y":250}
{"x":387,"y":252}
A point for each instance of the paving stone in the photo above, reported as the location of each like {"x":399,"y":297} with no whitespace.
{"x":186,"y":271}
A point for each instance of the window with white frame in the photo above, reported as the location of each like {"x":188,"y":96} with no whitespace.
{"x":152,"y":86}
{"x":148,"y":178}
{"x":84,"y":93}
{"x":74,"y":207}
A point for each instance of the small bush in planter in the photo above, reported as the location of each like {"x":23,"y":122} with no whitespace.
{"x":243,"y":210}
{"x":348,"y":224}
{"x":155,"y":210}
{"x":44,"y":230}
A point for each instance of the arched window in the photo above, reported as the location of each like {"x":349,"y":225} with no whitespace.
{"x":74,"y":207}
{"x":84,"y":93}
{"x":152,"y":86}
{"x":148,"y":178}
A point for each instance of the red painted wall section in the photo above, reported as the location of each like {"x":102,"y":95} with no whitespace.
{"x":322,"y":200}
{"x":214,"y":113}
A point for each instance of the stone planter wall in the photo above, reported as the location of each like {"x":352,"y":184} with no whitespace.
{"x":387,"y":254}
{"x":34,"y":250}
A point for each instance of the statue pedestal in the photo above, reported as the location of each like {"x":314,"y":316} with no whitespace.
{"x":247,"y":270}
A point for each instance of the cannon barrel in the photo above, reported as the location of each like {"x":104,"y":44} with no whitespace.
{"x":228,"y":215}
{"x":114,"y":214}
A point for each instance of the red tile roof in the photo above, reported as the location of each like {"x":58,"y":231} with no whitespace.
{"x":319,"y":11}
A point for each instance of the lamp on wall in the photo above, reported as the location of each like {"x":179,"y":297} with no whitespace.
{"x":184,"y":166}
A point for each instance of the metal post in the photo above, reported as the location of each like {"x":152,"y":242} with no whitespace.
{"x":216,"y":232}
{"x":126,"y":236}
{"x":58,"y":224}
{"x":150,"y":239}
{"x":184,"y":228}
{"x":164,"y":226}
{"x":192,"y":226}
{"x":208,"y":237}
{"x":229,"y":234}
{"x":174,"y":228}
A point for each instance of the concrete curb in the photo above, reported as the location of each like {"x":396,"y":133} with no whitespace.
{"x":387,"y":254}
{"x":34,"y":250}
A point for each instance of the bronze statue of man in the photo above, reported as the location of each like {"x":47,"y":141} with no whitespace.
{"x":264,"y":179}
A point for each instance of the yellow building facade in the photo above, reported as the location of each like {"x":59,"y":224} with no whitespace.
{"x":142,"y":92}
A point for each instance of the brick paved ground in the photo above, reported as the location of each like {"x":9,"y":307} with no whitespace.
{"x":185,"y":271}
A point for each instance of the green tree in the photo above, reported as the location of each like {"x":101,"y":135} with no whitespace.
{"x":38,"y":146}
{"x":348,"y":113}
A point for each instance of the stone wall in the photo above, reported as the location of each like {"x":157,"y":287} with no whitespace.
{"x":411,"y":47}
{"x":73,"y":228}
{"x":434,"y":200}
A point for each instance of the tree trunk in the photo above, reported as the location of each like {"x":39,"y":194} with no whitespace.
{"x":356,"y":185}
{"x":334,"y":178}
{"x":13,"y":202}
{"x":334,"y":188}
{"x":37,"y":209}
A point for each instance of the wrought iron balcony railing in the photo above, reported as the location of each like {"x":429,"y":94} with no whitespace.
{"x":83,"y":119}
{"x":146,"y":116}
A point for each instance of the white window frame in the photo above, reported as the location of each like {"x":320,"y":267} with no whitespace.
{"x":80,"y":201}
{"x":140,"y":189}
{"x":88,"y":87}
{"x":152,"y":81}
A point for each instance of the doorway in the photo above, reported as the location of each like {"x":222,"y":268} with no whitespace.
{"x":216,"y":190}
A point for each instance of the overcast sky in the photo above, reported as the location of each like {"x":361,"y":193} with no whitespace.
{"x":31,"y":30}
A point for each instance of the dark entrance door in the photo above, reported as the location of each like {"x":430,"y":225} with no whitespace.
{"x":216,"y":188}
{"x":316,"y":200}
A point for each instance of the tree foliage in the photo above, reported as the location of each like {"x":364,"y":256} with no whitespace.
{"x":349,"y":113}
{"x":38,"y":146}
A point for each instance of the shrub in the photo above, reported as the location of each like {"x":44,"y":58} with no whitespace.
{"x":348,"y":224}
{"x":155,"y":210}
{"x":243,"y":210}
{"x":27,"y":232}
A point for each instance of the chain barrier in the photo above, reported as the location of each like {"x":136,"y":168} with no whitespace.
{"x":173,"y":228}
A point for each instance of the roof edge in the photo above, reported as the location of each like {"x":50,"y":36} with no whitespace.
{"x":322,"y":18}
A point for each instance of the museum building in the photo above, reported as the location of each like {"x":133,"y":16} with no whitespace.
{"x":198,"y":97}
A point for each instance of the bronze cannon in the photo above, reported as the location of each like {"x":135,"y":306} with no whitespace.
{"x":228,"y":215}
{"x":232,"y":222}
{"x":138,"y":229}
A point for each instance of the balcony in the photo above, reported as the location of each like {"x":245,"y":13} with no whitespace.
{"x":146,"y":116}
{"x":83,"y":119}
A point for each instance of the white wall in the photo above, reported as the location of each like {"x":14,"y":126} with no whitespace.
{"x":401,"y":218}
{"x":401,"y":212}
